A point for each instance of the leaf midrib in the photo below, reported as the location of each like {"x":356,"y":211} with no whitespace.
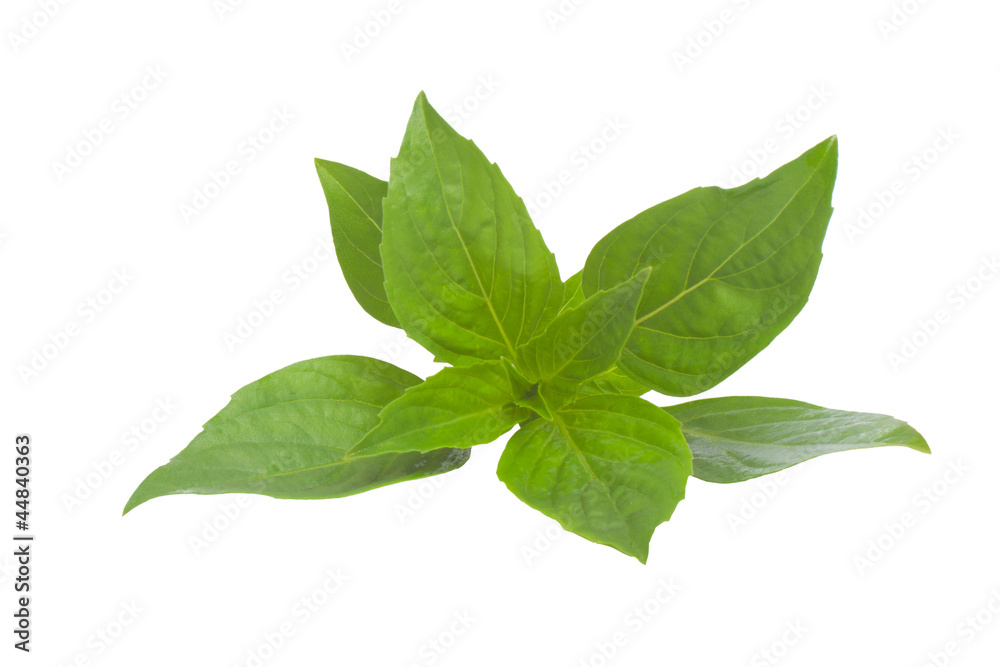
{"x":743,"y":245}
{"x":710,"y":436}
{"x":461,"y":239}
{"x":576,"y":353}
{"x":558,"y":421}
{"x":356,"y":202}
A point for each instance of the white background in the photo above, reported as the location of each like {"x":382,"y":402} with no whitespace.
{"x":471,"y":548}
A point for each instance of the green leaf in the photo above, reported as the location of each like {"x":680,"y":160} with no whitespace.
{"x":287,"y":436}
{"x":738,"y":438}
{"x":526,"y":395}
{"x":609,"y":468}
{"x":355,"y":201}
{"x":612,"y":381}
{"x":467,"y":273}
{"x":458,"y":407}
{"x":535,"y":401}
{"x":586,"y":341}
{"x":573,"y":294}
{"x":731,"y":269}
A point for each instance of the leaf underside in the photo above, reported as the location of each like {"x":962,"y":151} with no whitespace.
{"x":738,"y":438}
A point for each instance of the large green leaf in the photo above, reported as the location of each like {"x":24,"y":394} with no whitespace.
{"x":583,"y":342}
{"x":609,"y":468}
{"x":731,"y":269}
{"x":287,"y":436}
{"x":458,"y":407}
{"x":467,"y":273}
{"x":738,"y":438}
{"x":355,"y":202}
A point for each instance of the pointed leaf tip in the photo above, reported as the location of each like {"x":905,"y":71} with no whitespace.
{"x":487,"y":283}
{"x":287,"y":435}
{"x":733,"y":268}
{"x":738,"y":438}
{"x":422,"y":102}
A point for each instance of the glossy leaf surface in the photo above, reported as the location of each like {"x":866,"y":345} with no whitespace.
{"x":741,"y":437}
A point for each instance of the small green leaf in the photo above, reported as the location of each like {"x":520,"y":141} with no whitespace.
{"x":573,"y":294}
{"x":467,"y":273}
{"x":536,"y":401}
{"x":526,"y":394}
{"x":738,"y":438}
{"x":612,"y":381}
{"x":609,"y":468}
{"x":458,"y":407}
{"x":287,"y":436}
{"x":731,"y":269}
{"x":584,"y":342}
{"x":355,"y":202}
